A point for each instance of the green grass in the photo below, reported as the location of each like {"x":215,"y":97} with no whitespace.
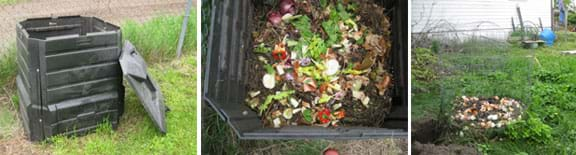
{"x":552,"y":102}
{"x":137,"y":134}
{"x":8,"y":71}
{"x":157,"y":39}
{"x":9,"y":2}
{"x":547,"y":87}
{"x":8,"y":67}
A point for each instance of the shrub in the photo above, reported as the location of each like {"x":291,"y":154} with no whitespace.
{"x":423,"y":71}
{"x":531,"y":129}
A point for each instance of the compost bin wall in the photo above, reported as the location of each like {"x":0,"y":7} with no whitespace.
{"x":69,"y":77}
{"x":224,"y":83}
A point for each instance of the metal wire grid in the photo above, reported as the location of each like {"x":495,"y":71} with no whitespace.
{"x":475,"y":65}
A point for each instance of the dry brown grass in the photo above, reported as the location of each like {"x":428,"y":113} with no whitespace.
{"x":373,"y":146}
{"x":18,"y":144}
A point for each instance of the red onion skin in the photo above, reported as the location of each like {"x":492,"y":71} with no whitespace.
{"x":287,"y":6}
{"x":274,"y":17}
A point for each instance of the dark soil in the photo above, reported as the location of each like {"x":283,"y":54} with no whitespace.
{"x":356,"y":113}
{"x":433,"y":149}
{"x":426,"y":140}
{"x":426,"y":131}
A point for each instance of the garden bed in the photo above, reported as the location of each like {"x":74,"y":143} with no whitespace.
{"x":320,"y":63}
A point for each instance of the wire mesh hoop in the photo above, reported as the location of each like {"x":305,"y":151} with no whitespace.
{"x":473,"y":65}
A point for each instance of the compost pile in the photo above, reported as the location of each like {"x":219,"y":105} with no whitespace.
{"x":320,"y":63}
{"x":486,"y":113}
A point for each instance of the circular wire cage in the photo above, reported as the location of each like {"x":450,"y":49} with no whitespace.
{"x":475,"y":66}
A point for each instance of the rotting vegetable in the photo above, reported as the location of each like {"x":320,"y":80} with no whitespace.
{"x":485,"y":113}
{"x":319,"y":63}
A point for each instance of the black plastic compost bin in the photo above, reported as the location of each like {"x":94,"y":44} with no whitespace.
{"x":224,"y":83}
{"x":70,"y":77}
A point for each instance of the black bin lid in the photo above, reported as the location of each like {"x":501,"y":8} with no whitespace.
{"x":147,"y":90}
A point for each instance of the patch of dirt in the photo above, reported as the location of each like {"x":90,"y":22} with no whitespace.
{"x":426,"y":135}
{"x":433,"y":149}
{"x":426,"y":131}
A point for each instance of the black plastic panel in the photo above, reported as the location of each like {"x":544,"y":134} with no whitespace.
{"x":69,"y":78}
{"x":224,"y":85}
{"x":147,"y":90}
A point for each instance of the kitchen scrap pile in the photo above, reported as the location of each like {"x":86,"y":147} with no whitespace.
{"x":486,"y":113}
{"x":319,"y":62}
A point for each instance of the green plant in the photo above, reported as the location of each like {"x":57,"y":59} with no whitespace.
{"x":8,"y":66}
{"x":423,"y":62}
{"x":572,"y":19}
{"x":548,"y":76}
{"x":531,"y":129}
{"x":483,"y":148}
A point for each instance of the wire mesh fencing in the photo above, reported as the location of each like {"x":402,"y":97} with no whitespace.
{"x":113,"y":11}
{"x":477,"y":64}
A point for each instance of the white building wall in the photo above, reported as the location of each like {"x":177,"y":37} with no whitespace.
{"x":489,"y":18}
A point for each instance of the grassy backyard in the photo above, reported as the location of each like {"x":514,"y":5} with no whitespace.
{"x":543,"y":79}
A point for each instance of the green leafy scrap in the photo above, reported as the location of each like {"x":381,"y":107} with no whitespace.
{"x":354,"y":72}
{"x":352,"y":6}
{"x":262,"y":49}
{"x":323,"y":3}
{"x":278,"y":96}
{"x":302,"y":24}
{"x":332,"y":30}
{"x":311,"y":71}
{"x":307,"y":115}
{"x":291,"y":43}
{"x":325,"y":98}
{"x":344,"y":15}
{"x":269,"y":69}
{"x":316,"y":48}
